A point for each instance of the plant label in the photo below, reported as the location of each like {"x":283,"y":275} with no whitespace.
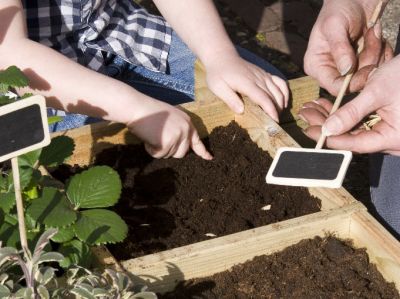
{"x":23,"y":127}
{"x":309,"y":167}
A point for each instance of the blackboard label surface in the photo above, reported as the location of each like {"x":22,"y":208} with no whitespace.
{"x":23,"y":127}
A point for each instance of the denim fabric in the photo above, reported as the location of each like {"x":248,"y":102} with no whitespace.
{"x":385,"y":185}
{"x":385,"y":190}
{"x":175,"y":87}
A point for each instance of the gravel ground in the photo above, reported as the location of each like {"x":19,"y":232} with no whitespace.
{"x":390,"y":21}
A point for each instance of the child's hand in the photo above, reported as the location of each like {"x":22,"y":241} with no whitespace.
{"x":230,"y":74}
{"x":166,"y":131}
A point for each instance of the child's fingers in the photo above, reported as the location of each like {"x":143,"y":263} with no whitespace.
{"x":230,"y":97}
{"x":262,"y":98}
{"x":198,"y":146}
{"x":283,"y":87}
{"x":182,"y":149}
{"x":276,"y":93}
{"x":324,"y":103}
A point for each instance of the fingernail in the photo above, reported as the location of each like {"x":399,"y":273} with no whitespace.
{"x":344,"y":65}
{"x":378,"y":30}
{"x":302,"y":118}
{"x":332,"y":126}
{"x":239,"y":109}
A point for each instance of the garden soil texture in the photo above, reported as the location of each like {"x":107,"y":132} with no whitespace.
{"x":169,"y":203}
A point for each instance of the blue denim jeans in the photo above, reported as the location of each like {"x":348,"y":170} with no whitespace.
{"x":175,"y":87}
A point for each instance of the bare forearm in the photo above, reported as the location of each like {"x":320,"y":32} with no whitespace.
{"x":199,"y":25}
{"x":68,"y":85}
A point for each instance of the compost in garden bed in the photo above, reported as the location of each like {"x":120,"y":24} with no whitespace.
{"x":169,"y":203}
{"x":314,"y":268}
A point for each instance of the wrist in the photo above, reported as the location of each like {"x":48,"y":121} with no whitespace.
{"x":216,"y":57}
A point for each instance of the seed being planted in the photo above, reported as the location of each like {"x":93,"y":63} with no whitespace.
{"x":210,"y":235}
{"x":145,"y":224}
{"x":266,"y":208}
{"x":201,"y":199}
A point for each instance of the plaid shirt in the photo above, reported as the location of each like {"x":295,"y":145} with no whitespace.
{"x":90,"y":31}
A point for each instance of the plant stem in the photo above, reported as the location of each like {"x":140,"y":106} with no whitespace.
{"x":20,"y":205}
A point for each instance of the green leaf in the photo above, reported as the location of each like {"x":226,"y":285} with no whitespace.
{"x":4,"y":100}
{"x":54,"y":119}
{"x":29,"y":159}
{"x":64,"y":234}
{"x":4,"y":292}
{"x":26,"y":174}
{"x":76,"y":253}
{"x":97,"y":187}
{"x":100,"y":226}
{"x":52,"y":209}
{"x":9,"y":233}
{"x":60,"y":148}
{"x":26,"y":95}
{"x":13,"y":77}
{"x":7,"y":201}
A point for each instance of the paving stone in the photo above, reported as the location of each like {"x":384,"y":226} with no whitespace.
{"x":255,"y":15}
{"x":289,"y":43}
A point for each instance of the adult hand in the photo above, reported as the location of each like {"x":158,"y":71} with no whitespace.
{"x":229,"y":74}
{"x":381,"y":95}
{"x":330,"y":54}
{"x":167,"y":131}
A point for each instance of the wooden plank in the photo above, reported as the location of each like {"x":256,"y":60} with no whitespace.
{"x":92,"y":139}
{"x":383,"y":249}
{"x":302,"y":90}
{"x":161,"y":272}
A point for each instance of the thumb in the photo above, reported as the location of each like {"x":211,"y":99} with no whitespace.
{"x":348,"y":116}
{"x":339,"y":42}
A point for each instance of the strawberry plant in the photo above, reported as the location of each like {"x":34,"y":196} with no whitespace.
{"x":76,"y":209}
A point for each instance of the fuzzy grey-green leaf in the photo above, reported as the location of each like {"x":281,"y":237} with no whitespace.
{"x":4,"y":292}
{"x":97,"y":187}
{"x":100,"y":226}
{"x":52,"y":209}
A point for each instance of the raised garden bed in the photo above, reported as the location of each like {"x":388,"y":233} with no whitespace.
{"x":339,"y":211}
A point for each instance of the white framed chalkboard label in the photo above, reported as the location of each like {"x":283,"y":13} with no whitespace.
{"x":23,"y":127}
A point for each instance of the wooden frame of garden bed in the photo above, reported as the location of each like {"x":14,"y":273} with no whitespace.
{"x":162,"y":271}
{"x":341,"y":213}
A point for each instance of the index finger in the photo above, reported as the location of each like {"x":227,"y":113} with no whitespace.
{"x":198,"y":146}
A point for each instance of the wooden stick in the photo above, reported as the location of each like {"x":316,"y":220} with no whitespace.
{"x":347,"y":79}
{"x":20,"y":205}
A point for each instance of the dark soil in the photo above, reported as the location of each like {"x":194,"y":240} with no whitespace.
{"x":169,"y":203}
{"x":313,"y":268}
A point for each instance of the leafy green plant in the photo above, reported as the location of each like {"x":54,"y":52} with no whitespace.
{"x":38,"y":280}
{"x":77,"y":209}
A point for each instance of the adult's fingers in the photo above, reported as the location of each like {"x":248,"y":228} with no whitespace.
{"x":373,"y":47}
{"x":349,"y":115}
{"x":198,"y":146}
{"x":156,"y":152}
{"x":312,"y":116}
{"x":316,"y":106}
{"x":337,"y":36}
